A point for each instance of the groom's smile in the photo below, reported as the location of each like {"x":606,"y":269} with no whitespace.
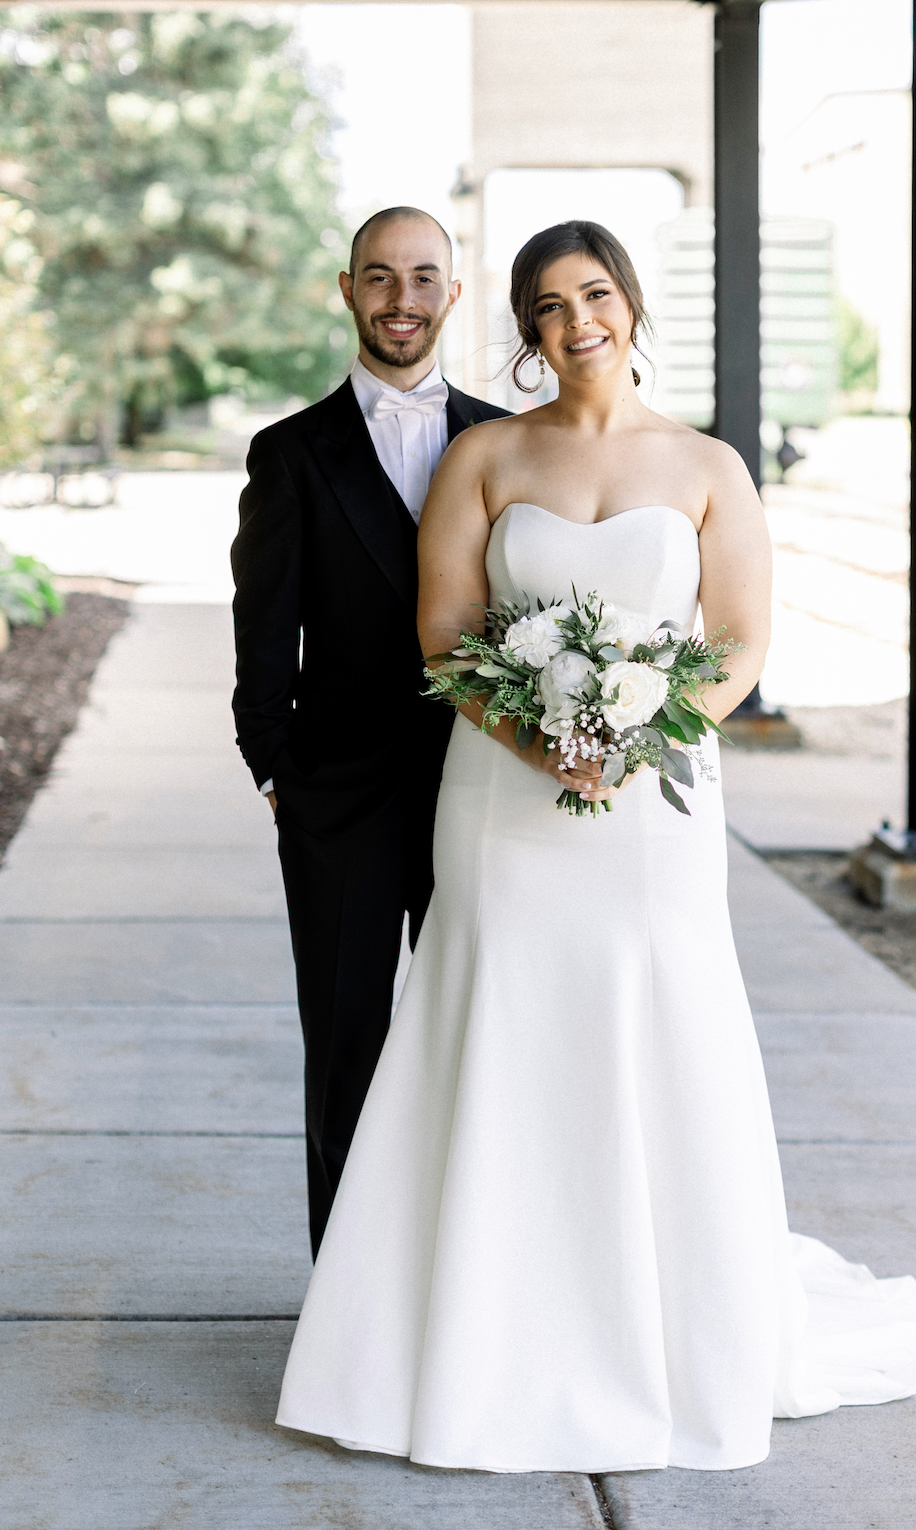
{"x":401,"y":329}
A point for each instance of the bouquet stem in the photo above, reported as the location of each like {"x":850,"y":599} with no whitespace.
{"x":574,"y":804}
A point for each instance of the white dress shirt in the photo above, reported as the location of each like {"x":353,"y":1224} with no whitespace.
{"x":408,"y":442}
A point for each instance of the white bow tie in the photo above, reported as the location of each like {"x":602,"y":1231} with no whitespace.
{"x":431,"y":401}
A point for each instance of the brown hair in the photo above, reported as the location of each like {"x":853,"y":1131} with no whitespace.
{"x":577,"y":237}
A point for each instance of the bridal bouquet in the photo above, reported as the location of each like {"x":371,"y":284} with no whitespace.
{"x":596,"y":683}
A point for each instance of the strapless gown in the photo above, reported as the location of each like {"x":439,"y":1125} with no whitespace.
{"x":560,"y":1241}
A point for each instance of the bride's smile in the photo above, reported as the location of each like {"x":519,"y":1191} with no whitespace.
{"x":588,"y":345}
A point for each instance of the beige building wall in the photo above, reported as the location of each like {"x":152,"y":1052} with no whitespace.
{"x":601,"y":84}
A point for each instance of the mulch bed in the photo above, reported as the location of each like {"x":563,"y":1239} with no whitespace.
{"x":44,"y":680}
{"x":889,"y":935}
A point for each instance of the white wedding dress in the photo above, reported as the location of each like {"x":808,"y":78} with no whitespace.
{"x":560,"y":1240}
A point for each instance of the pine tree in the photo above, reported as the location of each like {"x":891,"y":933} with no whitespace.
{"x":184,"y":206}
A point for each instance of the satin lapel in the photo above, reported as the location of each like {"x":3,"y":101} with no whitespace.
{"x":457,"y":414}
{"x":344,"y":451}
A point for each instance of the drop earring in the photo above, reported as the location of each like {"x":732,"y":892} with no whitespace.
{"x":541,"y":365}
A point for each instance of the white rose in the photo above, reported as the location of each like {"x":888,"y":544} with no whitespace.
{"x":535,"y":639}
{"x":640,"y":692}
{"x":620,"y":628}
{"x":559,"y":685}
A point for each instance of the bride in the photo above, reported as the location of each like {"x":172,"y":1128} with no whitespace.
{"x":560,"y":1241}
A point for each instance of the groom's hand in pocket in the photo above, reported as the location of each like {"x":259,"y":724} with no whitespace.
{"x":272,"y":799}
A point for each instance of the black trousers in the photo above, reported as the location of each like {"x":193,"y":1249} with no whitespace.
{"x":347,"y":896}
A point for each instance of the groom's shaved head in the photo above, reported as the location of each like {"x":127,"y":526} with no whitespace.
{"x":395,"y":215}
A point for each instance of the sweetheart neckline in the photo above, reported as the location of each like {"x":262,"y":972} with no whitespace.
{"x":527,"y":504}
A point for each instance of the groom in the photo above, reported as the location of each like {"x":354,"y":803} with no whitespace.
{"x":328,"y":706}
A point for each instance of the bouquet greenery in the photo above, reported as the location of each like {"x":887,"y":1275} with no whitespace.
{"x":596,"y":682}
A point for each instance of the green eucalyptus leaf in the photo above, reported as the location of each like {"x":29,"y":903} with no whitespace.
{"x":670,"y":795}
{"x":615,"y":768}
{"x":678,"y":765}
{"x":683,"y":720}
{"x":673,"y":731}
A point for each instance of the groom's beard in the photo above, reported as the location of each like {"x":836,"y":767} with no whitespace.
{"x":399,"y":353}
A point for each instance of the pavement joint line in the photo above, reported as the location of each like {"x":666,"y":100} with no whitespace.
{"x":92,"y":1131}
{"x":756,"y":850}
{"x":149,"y":1317}
{"x":151,"y":847}
{"x":69,"y":1005}
{"x":788,"y":852}
{"x":846,"y":1141}
{"x":608,"y":1517}
{"x":101,"y":1131}
{"x":152,"y":919}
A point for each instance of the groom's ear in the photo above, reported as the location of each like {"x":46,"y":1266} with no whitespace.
{"x":345,"y":283}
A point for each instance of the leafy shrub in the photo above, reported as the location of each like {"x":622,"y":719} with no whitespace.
{"x":27,"y":595}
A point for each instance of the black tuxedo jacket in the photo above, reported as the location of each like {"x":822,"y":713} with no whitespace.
{"x":327,"y":549}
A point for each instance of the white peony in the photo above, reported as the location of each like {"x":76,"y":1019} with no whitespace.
{"x":640,"y":692}
{"x":559,"y":684}
{"x":620,"y":628}
{"x":535,"y":639}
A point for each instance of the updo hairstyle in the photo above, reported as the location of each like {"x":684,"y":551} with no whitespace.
{"x":577,"y":237}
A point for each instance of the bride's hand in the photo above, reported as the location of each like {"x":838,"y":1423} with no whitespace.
{"x":582,"y":777}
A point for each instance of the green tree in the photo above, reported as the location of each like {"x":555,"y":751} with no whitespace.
{"x":858,"y":351}
{"x":184,"y":206}
{"x":32,"y":378}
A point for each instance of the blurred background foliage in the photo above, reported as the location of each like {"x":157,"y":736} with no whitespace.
{"x":169,"y":229}
{"x":32,"y":376}
{"x":858,"y":344}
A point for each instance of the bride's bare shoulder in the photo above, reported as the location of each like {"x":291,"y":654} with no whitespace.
{"x":477,"y":446}
{"x":714,"y":460}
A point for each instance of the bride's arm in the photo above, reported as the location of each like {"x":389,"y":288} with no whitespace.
{"x":735,"y":576}
{"x":454,"y":590}
{"x":452,"y":546}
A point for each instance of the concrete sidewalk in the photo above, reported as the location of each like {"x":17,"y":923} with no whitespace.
{"x":838,"y":1032}
{"x":156,"y":1249}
